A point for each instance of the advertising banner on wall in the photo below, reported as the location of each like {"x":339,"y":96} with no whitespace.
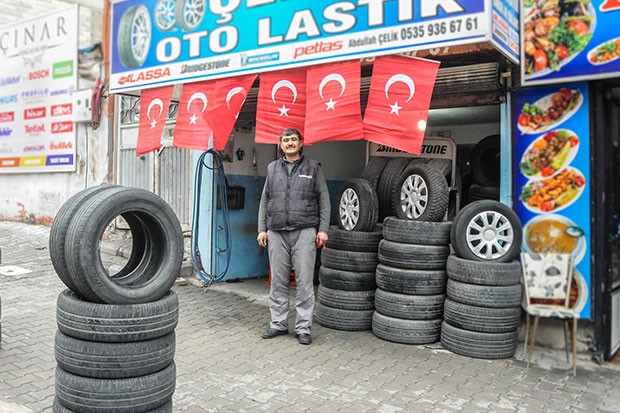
{"x":38,"y":74}
{"x":552,"y":177}
{"x":163,"y":42}
{"x":569,"y":40}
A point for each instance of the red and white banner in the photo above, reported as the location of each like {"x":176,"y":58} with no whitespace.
{"x":398,"y":101}
{"x":192,"y":130}
{"x":154,"y":104}
{"x":230,"y":95}
{"x":281,"y":104}
{"x":333,"y":110}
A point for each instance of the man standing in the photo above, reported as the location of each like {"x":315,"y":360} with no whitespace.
{"x":294,"y":216}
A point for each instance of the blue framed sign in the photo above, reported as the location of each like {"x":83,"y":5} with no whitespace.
{"x":157,"y":42}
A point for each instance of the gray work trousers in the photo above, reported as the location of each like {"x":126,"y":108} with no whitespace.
{"x":287,"y":250}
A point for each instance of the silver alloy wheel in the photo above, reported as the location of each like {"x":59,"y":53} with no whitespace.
{"x":189,"y":13}
{"x":164,"y":15}
{"x":413,"y":196}
{"x":349,"y":209}
{"x":489,"y":235}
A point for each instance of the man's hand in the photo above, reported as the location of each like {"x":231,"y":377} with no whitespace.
{"x":321,"y":239}
{"x":262,"y":239}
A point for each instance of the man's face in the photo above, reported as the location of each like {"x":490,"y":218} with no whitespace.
{"x":291,"y":145}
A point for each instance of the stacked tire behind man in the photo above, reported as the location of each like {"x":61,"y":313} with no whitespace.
{"x":482,"y":311}
{"x":411,"y":280}
{"x":347,"y":286}
{"x":115,"y":342}
{"x":485,"y":168}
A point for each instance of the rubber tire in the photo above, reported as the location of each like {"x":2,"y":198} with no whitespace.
{"x":459,"y":235}
{"x":57,"y":407}
{"x":159,"y":266}
{"x":373,"y":169}
{"x":100,"y":360}
{"x":349,"y":260}
{"x":387,"y":184}
{"x":404,"y":281}
{"x":413,"y":256}
{"x":347,"y":280}
{"x":409,"y":307}
{"x":180,"y":20}
{"x":437,"y":193}
{"x":367,"y":206}
{"x":485,"y":161}
{"x":60,"y":225}
{"x":478,"y":345}
{"x":406,"y":331}
{"x":134,"y":394}
{"x":483,"y":319}
{"x":344,"y":240}
{"x":478,"y":192}
{"x":347,"y":320}
{"x":494,"y":296}
{"x":482,"y":272}
{"x":416,"y":232}
{"x":346,"y":300}
{"x":125,"y":35}
{"x":127,"y":323}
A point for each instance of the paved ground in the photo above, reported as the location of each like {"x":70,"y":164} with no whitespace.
{"x":224,"y":366}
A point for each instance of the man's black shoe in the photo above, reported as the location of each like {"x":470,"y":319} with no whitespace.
{"x":273,"y":332}
{"x":304,"y":338}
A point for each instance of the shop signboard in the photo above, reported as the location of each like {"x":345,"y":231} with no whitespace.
{"x":505,"y":28}
{"x":569,"y":40}
{"x":38,"y":74}
{"x":552,"y":177}
{"x":156,"y":42}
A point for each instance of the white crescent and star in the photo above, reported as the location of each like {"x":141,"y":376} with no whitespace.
{"x":232,"y":92}
{"x":332,"y":77}
{"x":403,"y":79}
{"x":289,"y":85}
{"x":155,"y":102}
{"x":197,"y":96}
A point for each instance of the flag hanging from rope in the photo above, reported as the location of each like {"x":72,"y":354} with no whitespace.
{"x":192,"y":130}
{"x":154,"y":104}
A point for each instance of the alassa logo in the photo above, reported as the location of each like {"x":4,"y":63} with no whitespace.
{"x":61,"y":110}
{"x":7,"y":116}
{"x":62,"y":127}
{"x":62,"y":69}
{"x":145,"y":75}
{"x":34,"y":113}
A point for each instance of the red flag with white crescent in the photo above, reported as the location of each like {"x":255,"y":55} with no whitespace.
{"x":230,"y":95}
{"x":333,"y":109}
{"x":192,"y":130}
{"x":398,"y":101}
{"x":154,"y":104}
{"x":281,"y":104}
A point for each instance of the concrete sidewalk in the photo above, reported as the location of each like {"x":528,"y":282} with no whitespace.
{"x":224,"y":366}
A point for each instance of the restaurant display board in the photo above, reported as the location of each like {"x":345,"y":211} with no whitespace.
{"x":38,"y":75}
{"x":552,"y":177}
{"x":569,"y":40}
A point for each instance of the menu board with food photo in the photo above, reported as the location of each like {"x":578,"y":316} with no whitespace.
{"x":568,"y":40}
{"x":552,"y":177}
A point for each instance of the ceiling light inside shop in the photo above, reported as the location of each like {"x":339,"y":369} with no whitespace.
{"x":422,"y":124}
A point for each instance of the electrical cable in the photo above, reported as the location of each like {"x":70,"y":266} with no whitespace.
{"x":219,"y":191}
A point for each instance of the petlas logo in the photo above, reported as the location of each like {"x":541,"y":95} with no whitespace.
{"x":62,"y":127}
{"x":34,"y":113}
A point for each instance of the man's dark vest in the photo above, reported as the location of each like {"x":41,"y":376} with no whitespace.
{"x":293,"y":201}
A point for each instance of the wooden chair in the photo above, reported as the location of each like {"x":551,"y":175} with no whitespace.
{"x":547,"y":280}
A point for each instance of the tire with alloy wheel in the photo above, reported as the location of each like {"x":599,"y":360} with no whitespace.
{"x":421,"y":193}
{"x":358,"y":206}
{"x":134,"y":36}
{"x":164,"y":15}
{"x":189,"y":13}
{"x":387,"y":184}
{"x":486,"y":231}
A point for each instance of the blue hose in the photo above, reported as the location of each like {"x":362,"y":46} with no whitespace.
{"x":218,"y":190}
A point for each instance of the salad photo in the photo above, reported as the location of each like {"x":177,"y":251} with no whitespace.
{"x":554,"y":32}
{"x":605,"y":53}
{"x":549,"y":111}
{"x":554,"y":193}
{"x":549,"y":153}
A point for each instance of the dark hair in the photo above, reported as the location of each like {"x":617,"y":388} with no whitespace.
{"x":291,"y":131}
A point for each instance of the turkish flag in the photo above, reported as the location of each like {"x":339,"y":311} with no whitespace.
{"x":192,"y":130}
{"x":154,"y":104}
{"x":230,"y":94}
{"x":281,"y":104}
{"x":398,"y":101}
{"x":333,"y":110}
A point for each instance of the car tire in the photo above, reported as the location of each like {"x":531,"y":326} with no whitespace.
{"x":416,"y":232}
{"x":403,"y":331}
{"x":409,"y":307}
{"x":421,"y":194}
{"x":483,"y":272}
{"x":478,"y":345}
{"x":485,"y":161}
{"x":347,"y":320}
{"x":413,"y":256}
{"x":494,"y":296}
{"x":358,"y":206}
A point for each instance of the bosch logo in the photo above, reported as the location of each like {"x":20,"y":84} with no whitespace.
{"x":34,"y":113}
{"x":62,"y":127}
{"x":38,"y":74}
{"x":61,"y":110}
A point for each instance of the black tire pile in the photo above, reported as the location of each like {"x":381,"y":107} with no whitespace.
{"x":411,"y":281}
{"x":485,"y":168}
{"x":115,"y":342}
{"x":482,"y":311}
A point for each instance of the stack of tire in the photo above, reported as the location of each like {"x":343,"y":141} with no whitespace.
{"x":411,"y":281}
{"x":346,"y":292}
{"x":485,"y":168}
{"x":115,"y":342}
{"x":482,"y":311}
